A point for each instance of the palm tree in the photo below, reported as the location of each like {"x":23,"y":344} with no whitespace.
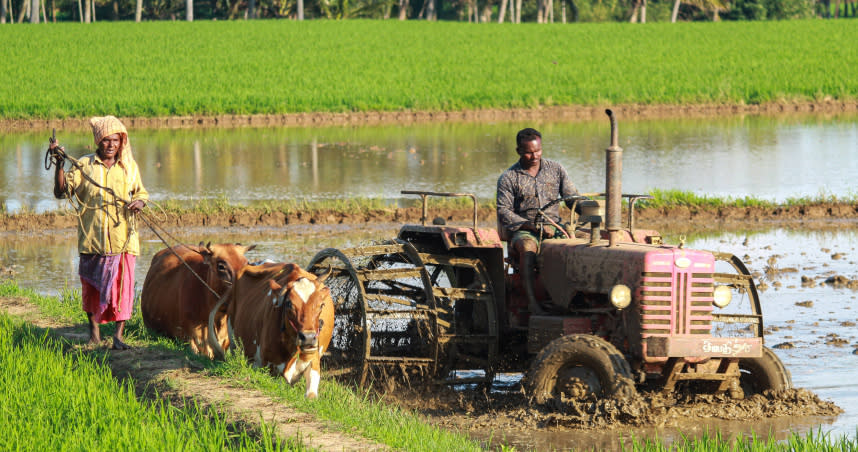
{"x":716,"y":6}
{"x":639,"y":9}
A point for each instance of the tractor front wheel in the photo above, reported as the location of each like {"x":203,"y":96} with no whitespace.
{"x":580,"y":367}
{"x":765,"y":372}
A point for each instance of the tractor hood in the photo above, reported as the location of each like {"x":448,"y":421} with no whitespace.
{"x":570,"y":266}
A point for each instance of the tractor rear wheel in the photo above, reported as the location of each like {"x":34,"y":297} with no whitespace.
{"x":580,"y":367}
{"x":763,"y":373}
{"x":385,"y":320}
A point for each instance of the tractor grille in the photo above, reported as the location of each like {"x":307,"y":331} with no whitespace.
{"x":677,"y":303}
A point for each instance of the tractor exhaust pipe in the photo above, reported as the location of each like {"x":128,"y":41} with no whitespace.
{"x":613,"y":184}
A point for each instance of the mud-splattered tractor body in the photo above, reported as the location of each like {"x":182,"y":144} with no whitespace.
{"x":623,"y":309}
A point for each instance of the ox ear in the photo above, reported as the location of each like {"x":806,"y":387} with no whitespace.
{"x":245,"y":249}
{"x":275,"y":293}
{"x":206,"y":253}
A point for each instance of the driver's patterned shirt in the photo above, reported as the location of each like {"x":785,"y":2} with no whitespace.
{"x":520,"y":194}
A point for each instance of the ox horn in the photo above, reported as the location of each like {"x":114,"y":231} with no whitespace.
{"x":322,"y":278}
{"x":213,"y":338}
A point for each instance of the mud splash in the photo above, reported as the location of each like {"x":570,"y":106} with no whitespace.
{"x":486,"y":415}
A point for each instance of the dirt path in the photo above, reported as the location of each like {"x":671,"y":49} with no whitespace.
{"x":178,"y":379}
{"x":560,"y":113}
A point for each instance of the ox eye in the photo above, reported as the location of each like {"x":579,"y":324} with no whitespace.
{"x":221,"y":266}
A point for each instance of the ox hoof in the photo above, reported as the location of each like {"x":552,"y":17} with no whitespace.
{"x":311,"y":395}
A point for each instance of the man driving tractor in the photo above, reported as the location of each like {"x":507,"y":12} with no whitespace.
{"x":522,"y":189}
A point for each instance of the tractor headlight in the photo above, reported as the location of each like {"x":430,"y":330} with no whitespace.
{"x":723,"y":296}
{"x":621,"y":296}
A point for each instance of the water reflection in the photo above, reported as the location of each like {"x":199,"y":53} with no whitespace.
{"x":771,"y":158}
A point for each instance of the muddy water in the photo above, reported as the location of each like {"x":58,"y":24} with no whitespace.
{"x":47,"y":261}
{"x":771,"y":158}
{"x":811,"y":326}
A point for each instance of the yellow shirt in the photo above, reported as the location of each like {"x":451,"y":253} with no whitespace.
{"x":104,"y":227}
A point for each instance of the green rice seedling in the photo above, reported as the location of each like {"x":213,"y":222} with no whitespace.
{"x":716,"y":442}
{"x":673,"y":198}
{"x":363,"y":65}
{"x":53,"y":400}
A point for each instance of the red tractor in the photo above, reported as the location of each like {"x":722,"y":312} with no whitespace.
{"x":624,"y":310}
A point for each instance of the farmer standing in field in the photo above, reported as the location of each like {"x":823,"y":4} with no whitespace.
{"x":106,"y":190}
{"x":525,"y":187}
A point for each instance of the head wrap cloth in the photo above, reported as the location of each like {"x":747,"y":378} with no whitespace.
{"x":103,"y":126}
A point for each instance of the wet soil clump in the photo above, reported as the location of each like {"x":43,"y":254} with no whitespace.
{"x":479,"y":410}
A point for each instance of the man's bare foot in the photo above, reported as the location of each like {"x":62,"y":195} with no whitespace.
{"x":94,"y":340}
{"x":119,"y":345}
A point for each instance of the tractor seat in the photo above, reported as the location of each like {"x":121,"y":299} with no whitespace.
{"x":512,"y":255}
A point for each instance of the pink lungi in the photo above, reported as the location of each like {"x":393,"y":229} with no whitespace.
{"x":119,"y":300}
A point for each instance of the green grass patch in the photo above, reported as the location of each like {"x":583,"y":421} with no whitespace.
{"x":675,"y":198}
{"x":282,"y":66}
{"x":715,"y":442}
{"x":54,"y":398}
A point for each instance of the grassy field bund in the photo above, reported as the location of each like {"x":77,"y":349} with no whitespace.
{"x":55,"y":395}
{"x":156,"y":69}
{"x":669,"y":210}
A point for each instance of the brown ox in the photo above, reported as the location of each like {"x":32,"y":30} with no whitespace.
{"x":175,"y":302}
{"x":284,"y":318}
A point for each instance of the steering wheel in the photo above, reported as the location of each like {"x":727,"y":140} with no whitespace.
{"x":542,"y":218}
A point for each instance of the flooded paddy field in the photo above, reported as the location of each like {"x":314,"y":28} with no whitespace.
{"x":771,"y":158}
{"x":808,"y":293}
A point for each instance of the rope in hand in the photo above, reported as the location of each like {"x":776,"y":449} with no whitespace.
{"x":56,"y":156}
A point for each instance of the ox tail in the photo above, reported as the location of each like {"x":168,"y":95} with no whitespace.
{"x":214,"y":343}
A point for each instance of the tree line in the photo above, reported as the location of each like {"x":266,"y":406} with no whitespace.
{"x":479,"y":11}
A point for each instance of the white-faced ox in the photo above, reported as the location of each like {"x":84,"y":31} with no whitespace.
{"x":176,"y":303}
{"x":284,"y":318}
